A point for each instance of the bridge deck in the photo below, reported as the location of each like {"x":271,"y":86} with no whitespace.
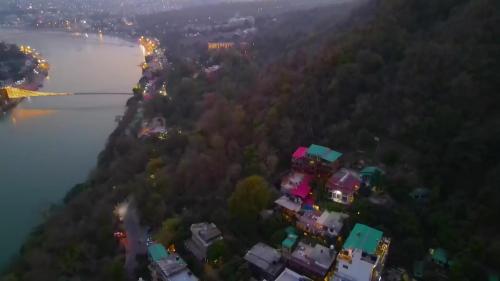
{"x":16,"y":93}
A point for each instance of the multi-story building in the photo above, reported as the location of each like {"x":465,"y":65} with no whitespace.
{"x":363,"y":255}
{"x":167,"y":266}
{"x":314,"y":261}
{"x":316,"y":159}
{"x":203,"y":235}
{"x":325,"y":224}
{"x":265,"y":262}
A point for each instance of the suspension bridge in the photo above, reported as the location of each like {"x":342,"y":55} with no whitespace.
{"x":17,"y":93}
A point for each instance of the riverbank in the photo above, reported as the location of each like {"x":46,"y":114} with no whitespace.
{"x":48,"y":154}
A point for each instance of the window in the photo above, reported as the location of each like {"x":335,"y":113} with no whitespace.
{"x":345,"y":266}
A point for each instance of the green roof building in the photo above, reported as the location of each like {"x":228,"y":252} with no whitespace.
{"x":363,"y":255}
{"x":157,"y":252}
{"x":364,"y":238}
{"x":289,"y":241}
{"x":323,"y":153}
{"x":371,"y":175}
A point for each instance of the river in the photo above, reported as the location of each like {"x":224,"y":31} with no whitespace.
{"x":48,"y":144}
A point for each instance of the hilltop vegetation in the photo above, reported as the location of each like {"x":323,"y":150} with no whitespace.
{"x":11,"y":63}
{"x":422,"y":77}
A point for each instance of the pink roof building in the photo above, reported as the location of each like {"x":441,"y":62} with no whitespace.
{"x":297,"y":186}
{"x":343,"y":185}
{"x":299,"y":153}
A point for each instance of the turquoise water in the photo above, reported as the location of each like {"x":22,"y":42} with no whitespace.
{"x":48,"y":144}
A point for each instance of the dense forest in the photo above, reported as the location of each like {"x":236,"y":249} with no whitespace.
{"x":410,"y":85}
{"x":11,"y":62}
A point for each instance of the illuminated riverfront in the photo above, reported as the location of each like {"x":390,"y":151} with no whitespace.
{"x":53,"y":141}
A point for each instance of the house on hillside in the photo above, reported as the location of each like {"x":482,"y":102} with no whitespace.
{"x":325,"y":224}
{"x":203,"y":235}
{"x":316,"y":159}
{"x":288,"y":207}
{"x":167,"y":266}
{"x":343,"y":185}
{"x":370,"y":176}
{"x":314,"y":261}
{"x":363,"y":255}
{"x":297,"y":186}
{"x":265,"y":262}
{"x":323,"y":160}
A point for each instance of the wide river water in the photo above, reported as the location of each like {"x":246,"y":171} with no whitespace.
{"x":48,"y":144}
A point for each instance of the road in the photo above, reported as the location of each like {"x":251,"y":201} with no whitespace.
{"x":135,"y":242}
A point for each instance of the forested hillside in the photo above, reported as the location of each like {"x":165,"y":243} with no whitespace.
{"x":413,"y":88}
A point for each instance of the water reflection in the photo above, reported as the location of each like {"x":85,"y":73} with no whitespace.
{"x":49,"y":144}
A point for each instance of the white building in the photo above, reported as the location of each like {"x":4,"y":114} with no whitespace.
{"x":363,"y":255}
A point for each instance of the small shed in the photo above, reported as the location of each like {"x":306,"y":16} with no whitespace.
{"x":371,"y":176}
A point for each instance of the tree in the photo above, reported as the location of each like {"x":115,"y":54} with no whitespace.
{"x":251,"y":196}
{"x":217,"y":251}
{"x":169,"y":231}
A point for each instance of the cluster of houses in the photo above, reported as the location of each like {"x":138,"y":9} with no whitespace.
{"x":314,"y":257}
{"x":363,"y":253}
{"x":167,"y":265}
{"x":361,"y":258}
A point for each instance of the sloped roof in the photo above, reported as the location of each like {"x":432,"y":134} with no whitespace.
{"x":324,"y":153}
{"x":370,"y":170}
{"x":364,"y":238}
{"x":300,"y":152}
{"x":344,"y":180}
{"x":302,"y":190}
{"x":284,"y":202}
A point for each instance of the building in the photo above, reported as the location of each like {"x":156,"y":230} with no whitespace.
{"x":166,"y":266}
{"x":299,"y":159}
{"x":316,"y":159}
{"x":325,"y":224}
{"x":297,"y":187}
{"x":290,"y":275}
{"x":316,"y":261}
{"x":370,"y":176}
{"x":322,"y":160}
{"x":363,"y":255}
{"x":288,"y":206}
{"x":343,"y":185}
{"x":265,"y":262}
{"x":203,"y":235}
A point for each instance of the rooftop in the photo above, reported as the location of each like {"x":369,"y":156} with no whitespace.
{"x":324,"y":153}
{"x":290,"y":275}
{"x":175,"y":268}
{"x":370,"y":170}
{"x":317,"y":258}
{"x":265,"y":257}
{"x":157,"y":252}
{"x":288,"y":204}
{"x":207,"y":231}
{"x":332,"y":220}
{"x":364,"y":238}
{"x":345,"y":180}
{"x":300,"y":152}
